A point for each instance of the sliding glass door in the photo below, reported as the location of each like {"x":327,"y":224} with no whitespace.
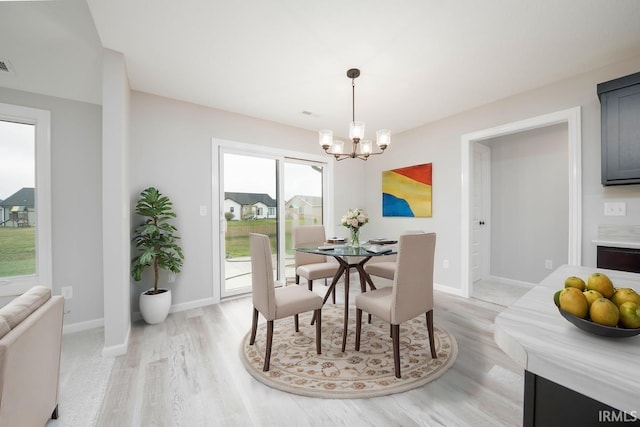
{"x":267,"y":194}
{"x":303,"y":202}
{"x":250,"y":206}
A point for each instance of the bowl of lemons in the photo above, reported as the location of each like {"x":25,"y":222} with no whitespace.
{"x":598,"y":307}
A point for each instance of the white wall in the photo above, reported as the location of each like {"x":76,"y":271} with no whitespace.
{"x":439,"y":143}
{"x":529,"y":209}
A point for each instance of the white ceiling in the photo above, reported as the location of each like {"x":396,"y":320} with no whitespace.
{"x":421,"y":60}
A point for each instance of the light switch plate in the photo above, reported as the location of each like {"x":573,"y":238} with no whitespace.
{"x":615,"y":209}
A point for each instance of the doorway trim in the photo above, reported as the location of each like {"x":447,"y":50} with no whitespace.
{"x":571,"y":117}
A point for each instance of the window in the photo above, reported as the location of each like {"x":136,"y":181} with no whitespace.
{"x":25,"y":212}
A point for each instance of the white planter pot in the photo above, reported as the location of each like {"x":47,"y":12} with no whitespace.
{"x":155,"y":308}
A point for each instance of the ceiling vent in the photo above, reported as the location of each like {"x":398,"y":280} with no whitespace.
{"x":5,"y":66}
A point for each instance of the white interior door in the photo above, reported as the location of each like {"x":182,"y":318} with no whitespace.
{"x":481,"y":204}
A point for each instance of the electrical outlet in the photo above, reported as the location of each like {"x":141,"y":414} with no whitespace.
{"x":548,"y":264}
{"x":172,"y":278}
{"x":445,"y":263}
{"x":67,"y":292}
{"x":203,"y":211}
{"x":615,"y":209}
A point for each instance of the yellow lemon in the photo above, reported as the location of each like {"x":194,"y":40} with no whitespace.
{"x":623,"y":295}
{"x":574,"y":282}
{"x":630,"y":315}
{"x":592,"y":296}
{"x":604,"y":312}
{"x":600,"y":282}
{"x":574,"y":302}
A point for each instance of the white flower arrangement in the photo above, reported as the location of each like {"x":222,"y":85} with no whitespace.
{"x":354,"y":219}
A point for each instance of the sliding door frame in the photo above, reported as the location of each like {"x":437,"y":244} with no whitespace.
{"x":218,"y":222}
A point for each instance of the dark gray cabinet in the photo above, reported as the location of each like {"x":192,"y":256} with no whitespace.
{"x":623,"y":259}
{"x":620,"y":109}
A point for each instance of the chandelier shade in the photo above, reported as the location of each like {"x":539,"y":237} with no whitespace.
{"x":360,"y":148}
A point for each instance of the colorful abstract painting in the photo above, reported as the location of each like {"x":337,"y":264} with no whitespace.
{"x":407,"y":191}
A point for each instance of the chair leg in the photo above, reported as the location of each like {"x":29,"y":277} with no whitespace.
{"x":333,"y":294}
{"x":434,"y":355}
{"x":295,"y":322}
{"x":254,"y":326}
{"x":310,"y":282}
{"x":318,"y":316}
{"x":54,"y":414}
{"x":358,"y":327}
{"x":395,"y":336}
{"x":297,"y":279}
{"x":267,"y":356}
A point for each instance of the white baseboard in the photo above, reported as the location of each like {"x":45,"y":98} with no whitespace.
{"x":82,"y":326}
{"x":180,"y":307}
{"x":192,"y":304}
{"x":448,"y":290}
{"x":506,"y":281}
{"x":119,"y":349}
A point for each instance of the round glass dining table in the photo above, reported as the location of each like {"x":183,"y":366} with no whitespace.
{"x":349,"y":257}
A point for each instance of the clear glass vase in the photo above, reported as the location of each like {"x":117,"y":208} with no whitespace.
{"x":354,"y":239}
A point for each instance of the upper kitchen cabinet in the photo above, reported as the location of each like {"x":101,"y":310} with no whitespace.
{"x":620,"y":109}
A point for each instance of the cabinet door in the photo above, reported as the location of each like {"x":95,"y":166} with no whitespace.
{"x":621,"y":136}
{"x":623,"y":259}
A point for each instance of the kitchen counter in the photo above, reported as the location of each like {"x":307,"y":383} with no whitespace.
{"x":534,"y":334}
{"x":618,"y":236}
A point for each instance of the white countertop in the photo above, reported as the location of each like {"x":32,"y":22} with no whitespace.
{"x":534,"y":334}
{"x":618,"y":236}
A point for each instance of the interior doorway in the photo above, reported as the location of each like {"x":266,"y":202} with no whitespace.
{"x":572,"y":118}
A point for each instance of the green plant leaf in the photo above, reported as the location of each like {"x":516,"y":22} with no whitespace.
{"x":155,"y":238}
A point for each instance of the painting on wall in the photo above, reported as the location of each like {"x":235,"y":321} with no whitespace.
{"x":407,"y":191}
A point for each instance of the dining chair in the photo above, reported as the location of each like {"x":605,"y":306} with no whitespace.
{"x":411,"y":293}
{"x":311,"y":266}
{"x":386,"y":267}
{"x":276,"y":303}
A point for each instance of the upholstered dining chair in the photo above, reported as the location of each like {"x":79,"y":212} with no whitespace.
{"x":386,"y":266}
{"x":411,"y":293}
{"x":311,"y":266}
{"x":277,"y":303}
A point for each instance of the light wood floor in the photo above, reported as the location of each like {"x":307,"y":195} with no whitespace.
{"x":187,"y":372}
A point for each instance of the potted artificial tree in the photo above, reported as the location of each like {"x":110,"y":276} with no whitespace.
{"x":155,"y":240}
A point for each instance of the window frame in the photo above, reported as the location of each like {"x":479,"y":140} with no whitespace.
{"x":41,"y":119}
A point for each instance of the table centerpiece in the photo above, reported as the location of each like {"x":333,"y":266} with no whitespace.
{"x":353,"y":220}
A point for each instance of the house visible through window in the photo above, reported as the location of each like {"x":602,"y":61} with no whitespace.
{"x":25,"y":199}
{"x":17,"y":199}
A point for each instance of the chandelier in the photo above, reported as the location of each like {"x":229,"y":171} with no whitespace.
{"x":360,"y":148}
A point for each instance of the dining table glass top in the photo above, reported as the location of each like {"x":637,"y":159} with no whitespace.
{"x":365,"y":249}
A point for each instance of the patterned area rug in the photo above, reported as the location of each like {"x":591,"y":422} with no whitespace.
{"x":296,"y":368}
